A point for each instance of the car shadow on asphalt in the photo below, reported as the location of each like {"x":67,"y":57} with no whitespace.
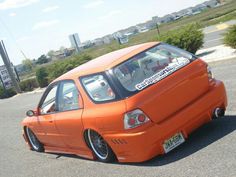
{"x":199,"y":139}
{"x":62,"y":155}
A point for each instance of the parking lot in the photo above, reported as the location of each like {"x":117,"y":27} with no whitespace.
{"x":210,"y":151}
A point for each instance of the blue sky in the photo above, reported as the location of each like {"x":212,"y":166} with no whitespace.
{"x":37,"y":26}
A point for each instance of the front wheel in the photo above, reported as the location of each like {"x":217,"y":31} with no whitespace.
{"x":100,"y":147}
{"x":33,"y":140}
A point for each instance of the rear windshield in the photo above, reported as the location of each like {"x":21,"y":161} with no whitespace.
{"x":151,"y":66}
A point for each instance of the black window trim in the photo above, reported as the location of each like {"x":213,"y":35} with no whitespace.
{"x":59,"y":86}
{"x":105,"y":75}
{"x":60,"y":89}
{"x":45,"y":94}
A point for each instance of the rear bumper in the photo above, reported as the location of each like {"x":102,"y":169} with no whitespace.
{"x":145,"y":144}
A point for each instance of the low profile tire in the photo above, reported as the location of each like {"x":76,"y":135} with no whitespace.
{"x":100,"y":148}
{"x":33,"y":140}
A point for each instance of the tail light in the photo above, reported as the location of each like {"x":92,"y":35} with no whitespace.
{"x":134,"y":119}
{"x":210,"y":74}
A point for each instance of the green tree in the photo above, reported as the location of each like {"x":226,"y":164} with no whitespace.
{"x":230,"y":37}
{"x":189,"y":37}
{"x":6,"y":93}
{"x":50,"y":53}
{"x":28,"y":65}
{"x":42,"y":59}
{"x":29,"y":84}
{"x":42,"y":76}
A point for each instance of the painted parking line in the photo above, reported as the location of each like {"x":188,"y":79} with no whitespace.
{"x":222,"y":26}
{"x":219,"y":27}
{"x":214,"y":40}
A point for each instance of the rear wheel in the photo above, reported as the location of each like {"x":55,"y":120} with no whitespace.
{"x":100,"y":148}
{"x":33,"y":140}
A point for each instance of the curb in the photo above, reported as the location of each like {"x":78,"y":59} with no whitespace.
{"x":217,"y":53}
{"x":32,"y":92}
{"x":221,"y":59}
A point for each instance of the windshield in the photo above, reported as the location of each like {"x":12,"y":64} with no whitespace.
{"x":151,"y":66}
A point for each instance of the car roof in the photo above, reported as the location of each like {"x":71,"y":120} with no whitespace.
{"x":106,"y":62}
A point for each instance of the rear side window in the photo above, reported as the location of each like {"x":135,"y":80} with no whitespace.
{"x":98,"y":88}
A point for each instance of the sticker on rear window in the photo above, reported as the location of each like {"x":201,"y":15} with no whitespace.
{"x":172,"y":67}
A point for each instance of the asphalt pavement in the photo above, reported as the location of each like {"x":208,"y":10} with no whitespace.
{"x":214,"y":35}
{"x":209,"y":151}
{"x":214,"y":38}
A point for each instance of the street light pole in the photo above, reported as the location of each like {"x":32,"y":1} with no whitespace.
{"x":7,"y":63}
{"x":158,"y":30}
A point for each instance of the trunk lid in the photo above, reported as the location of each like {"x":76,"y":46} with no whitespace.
{"x":168,"y":96}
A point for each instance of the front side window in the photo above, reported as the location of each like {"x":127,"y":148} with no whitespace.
{"x":49,"y":104}
{"x":151,"y":66}
{"x":98,"y":88}
{"x":68,"y":98}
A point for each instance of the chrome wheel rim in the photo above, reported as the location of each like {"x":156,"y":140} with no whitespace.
{"x":98,"y":144}
{"x":32,"y":138}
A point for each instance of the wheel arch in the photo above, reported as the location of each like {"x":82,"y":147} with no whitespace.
{"x":26,"y":137}
{"x":85,"y":136}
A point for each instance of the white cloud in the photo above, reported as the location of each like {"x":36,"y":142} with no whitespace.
{"x":93,"y":4}
{"x":110,"y":15}
{"x":50,"y":8}
{"x":10,"y":4}
{"x":13,"y":14}
{"x":45,"y":24}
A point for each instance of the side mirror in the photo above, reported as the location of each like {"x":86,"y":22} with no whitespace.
{"x":30,"y":113}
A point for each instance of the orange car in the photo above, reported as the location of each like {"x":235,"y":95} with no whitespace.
{"x":130,"y":105}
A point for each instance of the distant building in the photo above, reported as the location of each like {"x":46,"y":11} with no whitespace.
{"x":123,"y":39}
{"x":75,"y":41}
{"x":185,"y":12}
{"x":211,"y":3}
{"x":61,"y":54}
{"x":146,"y":26}
{"x":98,"y":42}
{"x":156,"y":20}
{"x":176,"y":16}
{"x":142,"y":29}
{"x":167,"y":18}
{"x":86,"y":44}
{"x":131,"y":31}
{"x":5,"y":79}
{"x":199,"y":8}
{"x":107,"y":39}
{"x":58,"y":55}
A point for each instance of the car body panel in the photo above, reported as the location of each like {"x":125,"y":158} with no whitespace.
{"x":181,"y":102}
{"x":146,"y":142}
{"x":69,"y":126}
{"x":165,"y":98}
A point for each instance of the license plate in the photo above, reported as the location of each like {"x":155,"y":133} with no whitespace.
{"x":173,"y":142}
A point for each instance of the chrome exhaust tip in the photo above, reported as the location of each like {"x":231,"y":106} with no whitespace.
{"x":218,"y":112}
